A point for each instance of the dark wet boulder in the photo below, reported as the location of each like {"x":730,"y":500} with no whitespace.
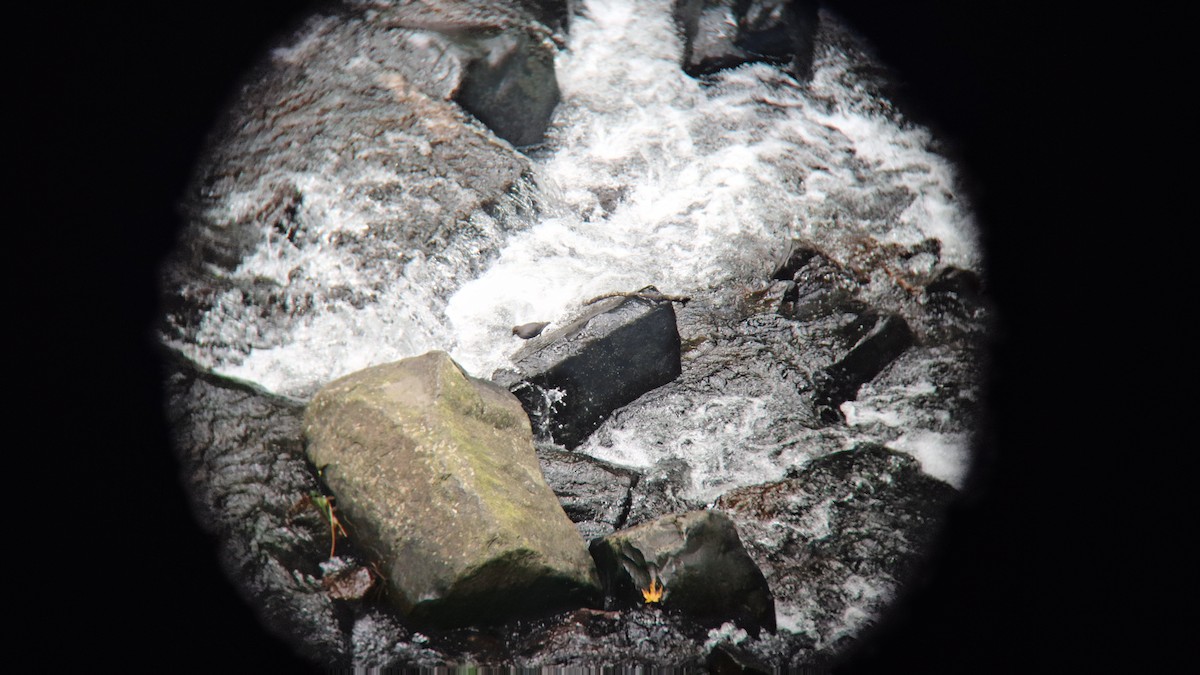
{"x":363,"y":108}
{"x":571,"y":379}
{"x":436,"y":473}
{"x":510,"y":85}
{"x":783,"y":30}
{"x":595,"y":494}
{"x":722,"y":34}
{"x":841,"y":536}
{"x":242,"y":461}
{"x":855,"y":341}
{"x":709,"y":29}
{"x":819,"y":285}
{"x":877,"y":340}
{"x":659,"y":491}
{"x":698,"y":562}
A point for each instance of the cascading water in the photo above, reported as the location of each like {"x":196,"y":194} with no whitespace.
{"x":647,"y":176}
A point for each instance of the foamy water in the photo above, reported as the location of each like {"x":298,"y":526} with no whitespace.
{"x":648,"y":176}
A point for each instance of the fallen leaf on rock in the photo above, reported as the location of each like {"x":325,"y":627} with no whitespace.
{"x":351,"y":583}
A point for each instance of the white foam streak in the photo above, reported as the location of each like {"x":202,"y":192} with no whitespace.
{"x":649,"y":177}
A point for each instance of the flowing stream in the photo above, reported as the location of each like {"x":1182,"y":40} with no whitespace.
{"x":650,"y":176}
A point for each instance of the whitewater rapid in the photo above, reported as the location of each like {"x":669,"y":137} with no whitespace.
{"x":647,"y":176}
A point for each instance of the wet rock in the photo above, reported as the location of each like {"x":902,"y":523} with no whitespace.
{"x":349,"y":137}
{"x":709,"y":28}
{"x":243,"y":463}
{"x":659,"y":491}
{"x":554,"y":14}
{"x":436,"y":474}
{"x":877,"y":340}
{"x":840,"y":537}
{"x":595,"y":494}
{"x":644,"y":637}
{"x":510,"y":85}
{"x":700,"y":561}
{"x":783,"y":30}
{"x":379,"y":641}
{"x":726,"y":659}
{"x":858,"y":341}
{"x":722,"y":34}
{"x":820,"y":286}
{"x":571,"y":379}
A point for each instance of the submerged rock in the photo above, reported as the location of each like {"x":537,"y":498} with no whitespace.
{"x":571,"y":379}
{"x":698,"y":559}
{"x":435,"y":473}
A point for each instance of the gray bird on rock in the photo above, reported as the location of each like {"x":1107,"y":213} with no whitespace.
{"x":530,"y":330}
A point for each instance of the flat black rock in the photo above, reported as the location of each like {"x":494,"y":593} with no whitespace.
{"x":571,"y":379}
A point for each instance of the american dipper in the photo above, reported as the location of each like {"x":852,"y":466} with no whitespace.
{"x":530,"y":330}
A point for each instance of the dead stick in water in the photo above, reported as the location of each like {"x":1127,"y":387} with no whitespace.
{"x":681,"y":299}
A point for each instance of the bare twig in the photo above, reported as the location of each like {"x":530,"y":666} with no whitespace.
{"x":681,"y":299}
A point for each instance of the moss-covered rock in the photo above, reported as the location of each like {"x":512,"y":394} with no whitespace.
{"x":435,"y":473}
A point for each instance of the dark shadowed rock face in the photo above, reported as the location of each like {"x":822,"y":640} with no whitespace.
{"x":722,"y":34}
{"x":595,"y":494}
{"x":876,"y":341}
{"x":242,"y":459}
{"x":699,"y":560}
{"x":850,"y":527}
{"x":510,"y":86}
{"x":571,"y":379}
{"x":436,"y":472}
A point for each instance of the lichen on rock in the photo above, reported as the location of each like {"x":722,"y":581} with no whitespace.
{"x":436,"y":475}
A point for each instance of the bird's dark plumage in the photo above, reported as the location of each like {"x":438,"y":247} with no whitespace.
{"x":530,"y":330}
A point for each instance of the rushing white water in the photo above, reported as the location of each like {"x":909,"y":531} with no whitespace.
{"x":647,"y":176}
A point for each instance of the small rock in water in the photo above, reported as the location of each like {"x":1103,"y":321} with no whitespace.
{"x":527,"y":331}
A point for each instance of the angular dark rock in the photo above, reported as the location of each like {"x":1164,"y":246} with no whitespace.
{"x":845,"y":532}
{"x":510,"y":85}
{"x":571,"y":379}
{"x":821,"y":286}
{"x":436,"y":472}
{"x":699,"y":560}
{"x":709,"y":28}
{"x":780,"y":30}
{"x":877,"y":340}
{"x":726,"y":33}
{"x":595,"y":494}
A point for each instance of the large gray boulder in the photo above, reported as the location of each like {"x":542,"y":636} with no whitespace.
{"x":571,"y":379}
{"x":698,"y":559}
{"x":435,"y":473}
